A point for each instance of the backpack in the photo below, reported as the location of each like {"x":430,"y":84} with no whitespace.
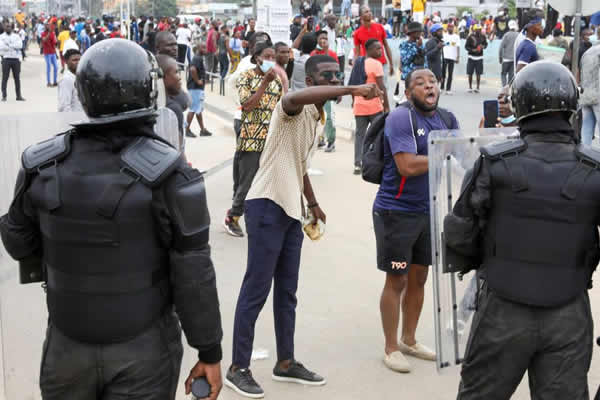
{"x":373,"y":146}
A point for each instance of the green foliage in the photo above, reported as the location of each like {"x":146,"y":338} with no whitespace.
{"x":512,"y":8}
{"x":158,"y":8}
{"x":461,"y":10}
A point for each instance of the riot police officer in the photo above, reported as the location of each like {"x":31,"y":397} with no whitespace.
{"x":529,"y":219}
{"x":116,"y":223}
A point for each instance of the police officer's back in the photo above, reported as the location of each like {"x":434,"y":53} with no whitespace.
{"x":116,"y":223}
{"x":530,"y":217}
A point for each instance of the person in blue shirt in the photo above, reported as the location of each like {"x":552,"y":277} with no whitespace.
{"x":412,"y":52}
{"x":86,"y":41}
{"x":79,"y":26}
{"x":527,"y":52}
{"x":401,"y":216}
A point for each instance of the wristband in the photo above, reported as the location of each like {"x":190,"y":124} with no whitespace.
{"x":313,"y":205}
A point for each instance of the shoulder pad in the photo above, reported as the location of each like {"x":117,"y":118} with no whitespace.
{"x":588,"y":154}
{"x":502,"y":149}
{"x":152,"y":160}
{"x":51,"y":150}
{"x":186,"y":199}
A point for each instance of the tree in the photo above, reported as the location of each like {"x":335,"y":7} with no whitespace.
{"x":158,"y":8}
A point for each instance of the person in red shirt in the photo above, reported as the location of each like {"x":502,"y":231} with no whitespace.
{"x":323,"y":46}
{"x":49,"y":51}
{"x":371,"y":30}
{"x":211,"y":47}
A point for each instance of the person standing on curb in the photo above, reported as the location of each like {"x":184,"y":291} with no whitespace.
{"x":195,"y":85}
{"x":49,"y":50}
{"x":11,"y":46}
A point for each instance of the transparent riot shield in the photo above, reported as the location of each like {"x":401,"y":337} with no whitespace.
{"x":166,"y":127}
{"x":23,"y":315}
{"x":452,"y":154}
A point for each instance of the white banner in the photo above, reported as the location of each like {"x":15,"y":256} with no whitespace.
{"x":523,"y":3}
{"x":274,"y":18}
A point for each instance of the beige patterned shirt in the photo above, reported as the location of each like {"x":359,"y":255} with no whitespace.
{"x":284,"y":160}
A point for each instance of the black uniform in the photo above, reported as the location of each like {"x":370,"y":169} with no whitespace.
{"x":529,"y":217}
{"x":119,"y":222}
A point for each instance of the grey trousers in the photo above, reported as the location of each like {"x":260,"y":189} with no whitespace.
{"x":362,"y":124}
{"x":554,"y":345}
{"x":507,"y":73}
{"x":144,"y":368}
{"x":245,"y":165}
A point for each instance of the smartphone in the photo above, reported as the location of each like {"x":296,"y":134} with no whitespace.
{"x":200,"y":388}
{"x":490,"y":113}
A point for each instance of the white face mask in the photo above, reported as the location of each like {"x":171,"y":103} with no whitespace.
{"x":266,"y":65}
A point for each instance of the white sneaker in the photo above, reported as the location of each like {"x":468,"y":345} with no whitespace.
{"x":417,"y":351}
{"x":449,"y":92}
{"x":396,"y":362}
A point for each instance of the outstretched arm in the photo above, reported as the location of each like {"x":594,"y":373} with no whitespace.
{"x":293,"y":102}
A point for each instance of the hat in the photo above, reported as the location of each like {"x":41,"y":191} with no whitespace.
{"x":512,"y":24}
{"x":435,"y":27}
{"x":297,"y":16}
{"x":414,"y":27}
{"x":533,"y":21}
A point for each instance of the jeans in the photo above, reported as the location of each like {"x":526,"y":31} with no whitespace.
{"x":50,"y":60}
{"x":508,"y":72}
{"x":274,"y":247}
{"x":591,"y":120}
{"x":362,"y":124}
{"x":447,"y":66}
{"x":14,"y":65}
{"x":329,"y":123}
{"x":245,"y":165}
{"x":145,"y":367}
{"x":224,"y":64}
{"x":346,"y":7}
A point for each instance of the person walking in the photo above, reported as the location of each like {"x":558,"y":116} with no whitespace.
{"x":526,"y":52}
{"x":49,"y":49}
{"x":10,"y":50}
{"x":412,"y":56}
{"x":235,"y":50}
{"x":451,"y":57}
{"x":223,"y":50}
{"x":63,"y":36}
{"x":184,"y":37}
{"x":195,"y":85}
{"x":475,"y":44}
{"x":506,"y":53}
{"x":372,"y":30}
{"x":366,"y":110}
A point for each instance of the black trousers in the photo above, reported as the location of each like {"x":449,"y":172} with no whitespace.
{"x":447,"y":73}
{"x":245,"y":165}
{"x":181,"y":52}
{"x":144,"y":368}
{"x":554,"y":345}
{"x":14,"y":65}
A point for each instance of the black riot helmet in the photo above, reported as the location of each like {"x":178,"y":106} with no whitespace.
{"x":542,"y":87}
{"x":117,"y":80}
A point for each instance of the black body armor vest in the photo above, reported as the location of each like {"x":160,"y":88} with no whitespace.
{"x":106,"y":271}
{"x":541,"y":239}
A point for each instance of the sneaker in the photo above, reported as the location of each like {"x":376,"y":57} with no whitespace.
{"x":417,"y":351}
{"x":232,"y":226}
{"x":242,"y":382}
{"x":330,"y":148}
{"x":190,"y":134}
{"x":396,"y":362}
{"x":205,"y":132}
{"x":4,"y":99}
{"x":321,"y":144}
{"x":357,"y":170}
{"x":297,"y":373}
{"x":20,"y":98}
{"x":449,"y":92}
{"x":470,"y":91}
{"x":476,"y":90}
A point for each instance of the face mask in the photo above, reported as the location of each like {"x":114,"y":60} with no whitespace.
{"x":319,"y":47}
{"x":508,"y":120}
{"x":266,"y":65}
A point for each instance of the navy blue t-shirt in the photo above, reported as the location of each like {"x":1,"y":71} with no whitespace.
{"x":400,"y":193}
{"x":526,"y":52}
